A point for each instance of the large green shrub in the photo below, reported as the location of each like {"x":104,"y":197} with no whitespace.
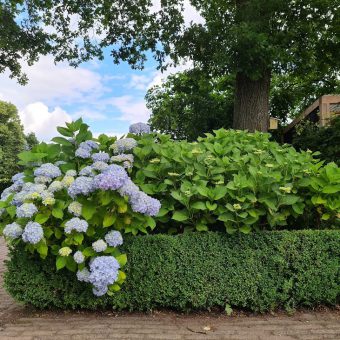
{"x":237,"y":180}
{"x":261,"y":271}
{"x":326,"y":139}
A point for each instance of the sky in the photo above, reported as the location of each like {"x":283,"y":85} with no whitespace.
{"x":109,"y":97}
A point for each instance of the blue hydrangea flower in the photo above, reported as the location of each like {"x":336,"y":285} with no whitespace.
{"x":83,"y":275}
{"x":12,"y":230}
{"x":33,"y":233}
{"x":139,"y":128}
{"x":99,"y":166}
{"x":145,"y":204}
{"x":129,"y":189}
{"x":76,"y":224}
{"x":114,"y":238}
{"x":26,"y":210}
{"x":123,"y":145}
{"x":72,"y":173}
{"x":87,"y":171}
{"x":99,"y":246}
{"x":42,"y":180}
{"x":112,"y":178}
{"x":47,"y":170}
{"x":55,"y":186}
{"x":19,"y":177}
{"x":75,"y":208}
{"x":81,"y":186}
{"x":91,"y":144}
{"x":103,"y":272}
{"x":83,"y":153}
{"x":100,"y":157}
{"x":126,"y":159}
{"x":79,"y":257}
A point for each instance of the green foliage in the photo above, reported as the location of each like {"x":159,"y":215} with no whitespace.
{"x":326,"y":140}
{"x":236,"y":181}
{"x":190,"y":104}
{"x":31,"y":140}
{"x":258,"y":272}
{"x":103,"y":210}
{"x":11,"y":142}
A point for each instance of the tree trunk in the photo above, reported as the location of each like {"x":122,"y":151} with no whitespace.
{"x":251,"y":105}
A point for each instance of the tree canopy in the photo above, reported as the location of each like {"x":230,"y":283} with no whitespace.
{"x":12,"y":141}
{"x":253,"y":39}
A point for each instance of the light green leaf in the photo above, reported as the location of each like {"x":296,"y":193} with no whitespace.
{"x":122,"y":259}
{"x":60,"y":262}
{"x":180,"y":215}
{"x":109,"y":219}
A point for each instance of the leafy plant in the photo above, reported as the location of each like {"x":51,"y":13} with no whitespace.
{"x":72,"y":204}
{"x":235,"y":179}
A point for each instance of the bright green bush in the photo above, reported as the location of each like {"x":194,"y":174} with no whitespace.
{"x":237,"y":180}
{"x":260,"y":272}
{"x":69,"y":203}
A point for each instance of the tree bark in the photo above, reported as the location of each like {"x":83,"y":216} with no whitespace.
{"x":251,"y":105}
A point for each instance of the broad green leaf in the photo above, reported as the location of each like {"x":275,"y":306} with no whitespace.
{"x":62,"y":141}
{"x":122,"y":259}
{"x":226,"y":217}
{"x":331,"y":189}
{"x":42,"y":217}
{"x":199,"y":205}
{"x":64,"y":131}
{"x":60,"y":262}
{"x":201,"y":227}
{"x":220,"y":192}
{"x":58,"y":213}
{"x":245,"y":229}
{"x":11,"y":210}
{"x":78,"y":238}
{"x":42,"y":249}
{"x":211,"y":206}
{"x":109,"y":220}
{"x":88,"y":209}
{"x":180,"y":215}
{"x":325,"y":216}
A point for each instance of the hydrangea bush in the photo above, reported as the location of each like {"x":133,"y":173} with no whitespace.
{"x":75,"y":200}
{"x":236,"y":181}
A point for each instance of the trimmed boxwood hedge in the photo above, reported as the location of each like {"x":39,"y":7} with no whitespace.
{"x":260,"y":271}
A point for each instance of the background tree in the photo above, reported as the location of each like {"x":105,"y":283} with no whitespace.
{"x":12,"y":141}
{"x":192,"y":96}
{"x":31,"y":140}
{"x":253,"y":39}
{"x":190,"y":103}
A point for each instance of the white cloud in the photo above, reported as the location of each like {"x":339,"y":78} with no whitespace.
{"x":133,"y":109}
{"x":139,"y":82}
{"x":53,"y":84}
{"x":37,"y":118}
{"x":89,"y":114}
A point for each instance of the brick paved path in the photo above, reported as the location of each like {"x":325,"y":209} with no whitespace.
{"x":22,"y":323}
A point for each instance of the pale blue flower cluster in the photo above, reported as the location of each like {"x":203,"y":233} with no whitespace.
{"x":81,"y":186}
{"x":99,"y":246}
{"x":55,"y":186}
{"x":123,"y":145}
{"x":139,"y":128}
{"x":112,"y":178}
{"x":72,"y":173}
{"x":103,"y":273}
{"x":85,"y":149}
{"x":75,"y":208}
{"x":87,"y":171}
{"x":100,"y":157}
{"x":126,"y":159}
{"x":26,"y":210}
{"x":78,"y":257}
{"x":33,"y":233}
{"x":140,"y":201}
{"x":144,"y":204}
{"x":76,"y":224}
{"x":83,"y":153}
{"x":42,"y":180}
{"x":99,"y":166}
{"x":18,"y":178}
{"x":47,"y":170}
{"x":114,"y":238}
{"x":27,"y":190}
{"x":83,"y":275}
{"x":12,"y":230}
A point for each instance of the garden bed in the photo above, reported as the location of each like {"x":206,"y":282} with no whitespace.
{"x":196,"y":271}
